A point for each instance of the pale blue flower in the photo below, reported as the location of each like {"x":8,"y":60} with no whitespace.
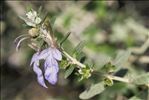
{"x":51,"y":68}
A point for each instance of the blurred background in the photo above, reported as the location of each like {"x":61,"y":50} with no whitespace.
{"x":106,"y":26}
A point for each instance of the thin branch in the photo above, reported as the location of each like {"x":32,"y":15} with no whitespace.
{"x":118,"y":78}
{"x":74,"y":61}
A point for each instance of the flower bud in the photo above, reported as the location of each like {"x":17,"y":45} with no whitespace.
{"x":33,"y":32}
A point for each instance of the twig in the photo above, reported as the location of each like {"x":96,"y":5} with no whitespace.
{"x":118,"y":79}
{"x":74,"y":61}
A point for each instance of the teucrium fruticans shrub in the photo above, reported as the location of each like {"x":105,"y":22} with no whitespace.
{"x":42,"y":40}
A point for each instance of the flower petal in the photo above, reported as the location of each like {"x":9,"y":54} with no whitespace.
{"x":51,"y":62}
{"x":38,"y":71}
{"x":51,"y":75}
{"x":39,"y":55}
{"x":48,"y":62}
{"x":52,"y":79}
{"x":55,"y":65}
{"x":56,"y":54}
{"x":44,"y":53}
{"x":34,"y":58}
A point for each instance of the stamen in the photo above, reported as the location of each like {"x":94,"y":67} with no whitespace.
{"x":18,"y":44}
{"x":19,"y":37}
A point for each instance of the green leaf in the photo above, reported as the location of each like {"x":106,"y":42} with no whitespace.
{"x":121,"y":58}
{"x":94,"y":90}
{"x":142,"y":79}
{"x":69,"y":71}
{"x":65,"y":38}
{"x":78,"y":48}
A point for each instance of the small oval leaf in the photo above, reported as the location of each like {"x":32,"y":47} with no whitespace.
{"x":142,"y":79}
{"x":94,"y":90}
{"x":121,"y":58}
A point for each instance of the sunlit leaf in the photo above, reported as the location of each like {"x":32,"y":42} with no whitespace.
{"x":78,"y":48}
{"x":94,"y":90}
{"x":142,"y":79}
{"x":65,"y":38}
{"x":121,"y":58}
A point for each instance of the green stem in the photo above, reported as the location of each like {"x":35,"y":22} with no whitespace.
{"x":74,"y":61}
